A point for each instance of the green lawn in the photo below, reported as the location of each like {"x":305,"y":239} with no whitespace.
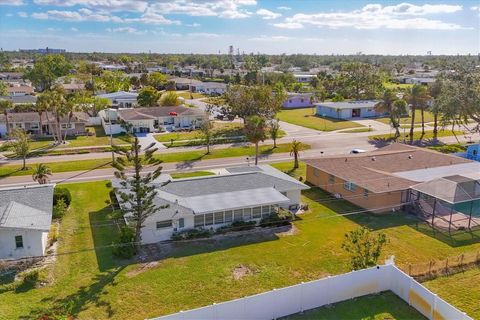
{"x":189,"y":95}
{"x":90,"y":284}
{"x":408,"y":120}
{"x":306,"y":118}
{"x":461,"y":289}
{"x":189,"y":157}
{"x":357,"y":130}
{"x":180,"y":175}
{"x":220,"y":130}
{"x":391,"y":85}
{"x":385,"y":305}
{"x":417,"y":135}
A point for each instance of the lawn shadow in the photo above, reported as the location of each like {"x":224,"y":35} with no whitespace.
{"x":452,"y":239}
{"x":6,"y":175}
{"x":188,"y":164}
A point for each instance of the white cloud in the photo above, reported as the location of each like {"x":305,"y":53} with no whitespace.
{"x":270,"y":38}
{"x":22,"y":14}
{"x":228,"y":9}
{"x":284,"y":8}
{"x":268,"y":15}
{"x":203,"y":35}
{"x":129,"y":30}
{"x":111,"y":5}
{"x":152,"y":17}
{"x":288,"y":25}
{"x":11,"y":3}
{"x":74,"y":29}
{"x":376,"y":16}
{"x":475,"y":8}
{"x":194,"y":25}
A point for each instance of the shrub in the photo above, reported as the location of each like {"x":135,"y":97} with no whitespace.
{"x":449,"y":148}
{"x":191,"y":234}
{"x":59,"y":209}
{"x":124,"y":247}
{"x":62,"y":193}
{"x":241,"y":225}
{"x":275,"y":220}
{"x":53,"y":234}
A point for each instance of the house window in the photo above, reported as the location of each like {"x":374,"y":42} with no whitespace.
{"x":34,"y":126}
{"x":228,"y":216}
{"x":247,"y":214}
{"x":265,"y":210}
{"x":349,"y":186}
{"x":238,"y":215}
{"x":331,"y":178}
{"x":198,"y":220}
{"x":316,"y":172}
{"x":18,"y":242}
{"x":219,"y":217}
{"x":301,"y":100}
{"x":365,"y":193}
{"x":257,"y":212}
{"x":164,"y":224}
{"x":181,"y":223}
{"x":66,"y":126}
{"x":209,"y":219}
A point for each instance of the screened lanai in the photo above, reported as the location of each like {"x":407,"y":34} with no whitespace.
{"x":449,"y":203}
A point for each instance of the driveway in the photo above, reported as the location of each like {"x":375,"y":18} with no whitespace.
{"x":147,"y":139}
{"x":375,"y":125}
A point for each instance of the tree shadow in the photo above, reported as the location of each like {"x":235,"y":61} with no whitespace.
{"x":189,"y":164}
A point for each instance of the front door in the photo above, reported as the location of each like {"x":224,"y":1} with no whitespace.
{"x":355,"y":113}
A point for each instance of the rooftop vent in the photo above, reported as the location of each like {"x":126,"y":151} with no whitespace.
{"x":410,"y":156}
{"x":374,"y":158}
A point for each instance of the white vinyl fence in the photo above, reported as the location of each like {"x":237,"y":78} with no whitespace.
{"x":309,"y":295}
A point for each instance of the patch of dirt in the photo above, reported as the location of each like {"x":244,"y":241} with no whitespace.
{"x":240,"y":272}
{"x":290,"y":230}
{"x":142,"y":268}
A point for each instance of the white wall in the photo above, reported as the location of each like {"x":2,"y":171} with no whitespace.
{"x":298,"y":298}
{"x":34,"y":243}
{"x":94,"y":121}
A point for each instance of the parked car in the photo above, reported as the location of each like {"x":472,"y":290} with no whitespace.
{"x":356,"y":151}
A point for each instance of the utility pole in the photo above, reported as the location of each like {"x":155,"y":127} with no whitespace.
{"x":111,"y":137}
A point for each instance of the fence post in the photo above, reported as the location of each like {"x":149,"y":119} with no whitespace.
{"x":410,"y":269}
{"x":446,"y":266}
{"x":410,"y":289}
{"x":430,"y":268}
{"x":434,"y":306}
{"x":274,"y":316}
{"x":461,"y":261}
{"x":302,"y":284}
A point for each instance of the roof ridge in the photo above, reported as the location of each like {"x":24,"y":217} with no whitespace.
{"x":6,"y":212}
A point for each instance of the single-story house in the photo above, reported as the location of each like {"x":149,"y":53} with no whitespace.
{"x":442,"y":189}
{"x":472,"y":153}
{"x":348,"y":109}
{"x":152,"y":119}
{"x":209,"y":202}
{"x":4,"y":76}
{"x":211,"y":88}
{"x":25,"y":219}
{"x":121,"y":99}
{"x":297,"y":100}
{"x":417,"y":80}
{"x":73,"y":87}
{"x":30,"y":122}
{"x":17,"y":100}
{"x":20,"y":90}
{"x":184,"y":83}
{"x":303,"y":78}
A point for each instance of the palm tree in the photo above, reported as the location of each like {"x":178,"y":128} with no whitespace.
{"x":255,"y":132}
{"x":5,"y":106}
{"x":434,"y":91}
{"x":295,"y":148}
{"x":417,"y":98}
{"x":44,"y":102}
{"x":386,"y":106}
{"x":41,"y":173}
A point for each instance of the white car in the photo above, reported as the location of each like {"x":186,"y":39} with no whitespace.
{"x":356,"y":151}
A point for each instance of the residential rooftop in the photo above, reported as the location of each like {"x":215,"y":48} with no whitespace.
{"x":349,"y":104}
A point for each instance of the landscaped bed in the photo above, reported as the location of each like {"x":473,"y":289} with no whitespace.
{"x":307,"y":118}
{"x":90,"y":284}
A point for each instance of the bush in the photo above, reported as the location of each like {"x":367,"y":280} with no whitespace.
{"x":59,"y":209}
{"x":124,"y":247}
{"x":241,"y":225}
{"x":53,"y":235}
{"x":191,"y":234}
{"x":62,"y":193}
{"x":275,"y":220}
{"x":450,"y":148}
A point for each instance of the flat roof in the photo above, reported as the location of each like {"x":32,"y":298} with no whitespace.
{"x":349,"y":104}
{"x":427,"y":174}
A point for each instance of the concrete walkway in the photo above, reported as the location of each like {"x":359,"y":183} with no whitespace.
{"x":147,"y":139}
{"x":373,"y":124}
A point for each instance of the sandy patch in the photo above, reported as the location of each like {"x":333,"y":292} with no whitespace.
{"x":240,"y":272}
{"x":142,"y":268}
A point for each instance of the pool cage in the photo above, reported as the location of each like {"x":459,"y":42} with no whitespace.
{"x":449,"y":203}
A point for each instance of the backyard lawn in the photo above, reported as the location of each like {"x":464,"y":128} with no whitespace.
{"x":186,"y":157}
{"x":461,"y":289}
{"x":408,"y":120}
{"x":189,"y":95}
{"x":91,"y":284}
{"x":306,"y":118}
{"x":385,"y":305}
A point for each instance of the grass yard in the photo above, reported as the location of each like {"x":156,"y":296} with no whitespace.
{"x":189,"y":95}
{"x":190,"y":174}
{"x":187,"y":157}
{"x":357,"y":130}
{"x":408,"y":120}
{"x":461,"y":289}
{"x":417,"y":135}
{"x":385,"y":305}
{"x":306,"y":118}
{"x":91,"y":284}
{"x":401,"y":86}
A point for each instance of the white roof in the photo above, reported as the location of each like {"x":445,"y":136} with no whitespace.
{"x":428,"y":174}
{"x":235,"y":200}
{"x":119,"y":94}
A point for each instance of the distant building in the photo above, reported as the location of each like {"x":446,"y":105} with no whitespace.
{"x":47,"y":50}
{"x":348,"y":109}
{"x":303,"y":78}
{"x":298,"y":100}
{"x":25,"y":219}
{"x":121,"y":99}
{"x":7,"y":76}
{"x":19,"y":90}
{"x":210,"y":88}
{"x":472,"y":153}
{"x":184,"y":83}
{"x":20,"y":99}
{"x":73,"y":87}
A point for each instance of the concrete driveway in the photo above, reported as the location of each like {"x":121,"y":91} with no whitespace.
{"x":147,"y":139}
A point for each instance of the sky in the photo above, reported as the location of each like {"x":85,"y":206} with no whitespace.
{"x":264,"y":26}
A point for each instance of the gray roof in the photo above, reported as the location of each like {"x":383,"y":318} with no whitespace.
{"x":119,"y":95}
{"x":452,"y":189}
{"x":358,"y":104}
{"x":26,"y":99}
{"x":427,"y":174}
{"x":27,"y":207}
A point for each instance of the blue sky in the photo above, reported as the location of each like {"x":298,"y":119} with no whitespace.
{"x":270,"y":26}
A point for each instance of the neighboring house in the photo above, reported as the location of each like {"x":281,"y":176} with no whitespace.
{"x":25,"y":219}
{"x":184,"y":83}
{"x":416,"y":80}
{"x":472,"y":153}
{"x":303,"y":78}
{"x":19,"y":90}
{"x":73,"y":87}
{"x":348,"y":109}
{"x":297,"y":100}
{"x":210,"y":88}
{"x":5,"y":76}
{"x":16,"y":100}
{"x":154,"y":119}
{"x":210,"y":202}
{"x":121,"y":99}
{"x":30,"y":122}
{"x":443,"y":189}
